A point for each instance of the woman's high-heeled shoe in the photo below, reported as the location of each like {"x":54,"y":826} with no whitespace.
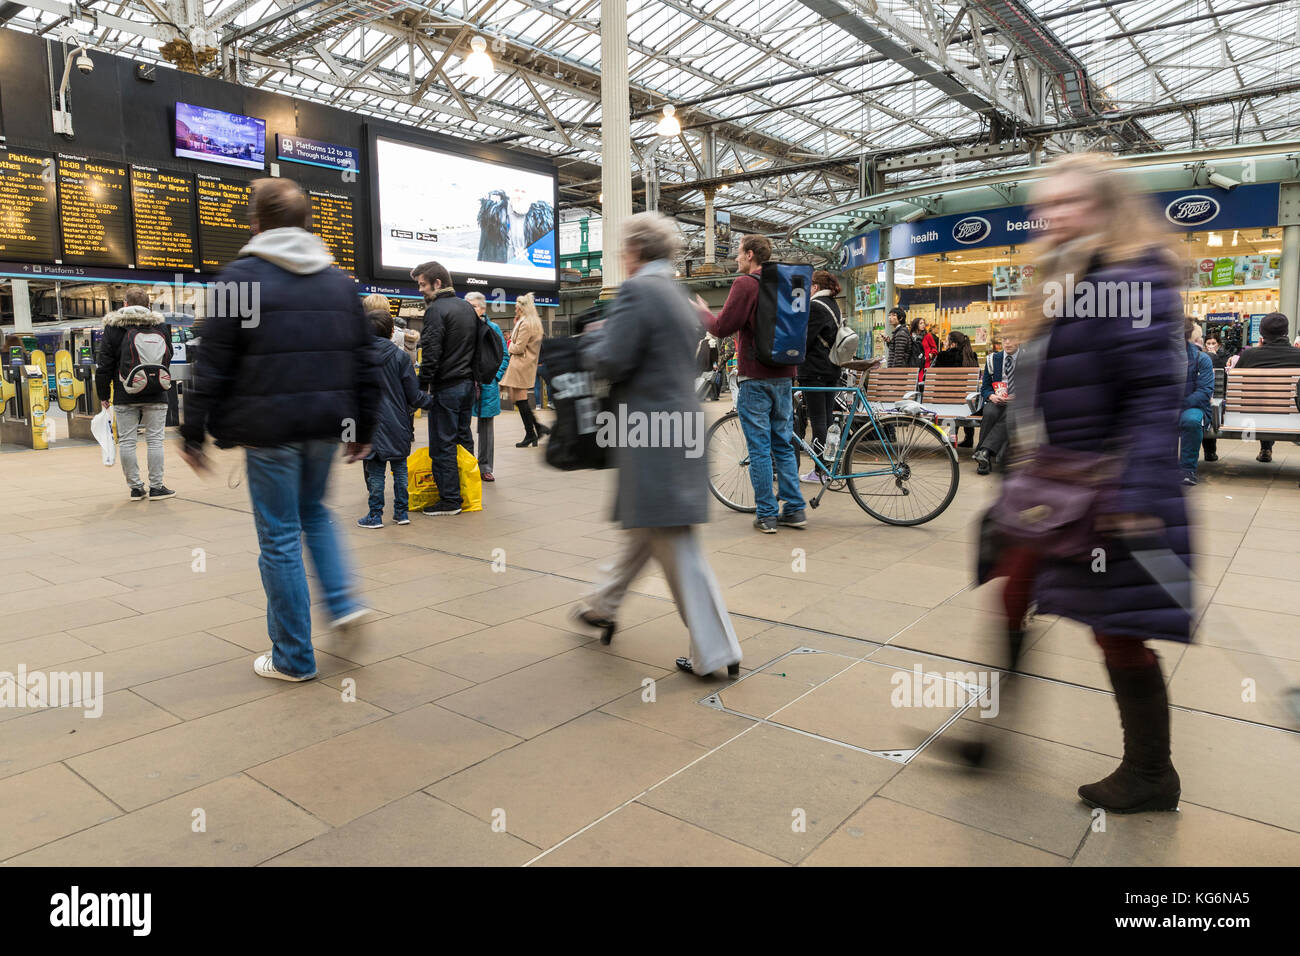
{"x":606,"y":626}
{"x":684,"y":664}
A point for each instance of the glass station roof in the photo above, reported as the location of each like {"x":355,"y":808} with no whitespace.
{"x":810,"y":84}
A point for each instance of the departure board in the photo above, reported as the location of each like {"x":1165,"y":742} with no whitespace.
{"x":93,"y":203}
{"x":29,"y":215}
{"x":164,"y":219}
{"x":223,"y":219}
{"x":331,"y":219}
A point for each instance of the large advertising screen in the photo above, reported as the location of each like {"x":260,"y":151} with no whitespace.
{"x":216,"y":136}
{"x":485,"y":221}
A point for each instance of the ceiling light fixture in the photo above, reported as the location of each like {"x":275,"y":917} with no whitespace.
{"x":478,"y":64}
{"x":669,"y":125}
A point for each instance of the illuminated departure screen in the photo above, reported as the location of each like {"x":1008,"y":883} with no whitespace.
{"x":93,"y":212}
{"x":29,"y":215}
{"x":164,"y":219}
{"x":331,"y":219}
{"x":223,"y":219}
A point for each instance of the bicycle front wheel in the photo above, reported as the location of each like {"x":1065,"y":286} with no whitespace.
{"x":728,"y":457}
{"x":919,"y":482}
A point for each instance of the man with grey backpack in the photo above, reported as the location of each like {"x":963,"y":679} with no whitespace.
{"x":134,"y":362}
{"x":830,"y":343}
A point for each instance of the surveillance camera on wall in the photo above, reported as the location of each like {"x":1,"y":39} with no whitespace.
{"x":1222,"y":181}
{"x":912,"y":216}
{"x":85,"y":64}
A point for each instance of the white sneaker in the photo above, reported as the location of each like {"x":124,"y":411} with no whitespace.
{"x":263,"y":667}
{"x":350,"y":620}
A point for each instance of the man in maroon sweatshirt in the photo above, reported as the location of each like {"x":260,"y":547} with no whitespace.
{"x":764,"y":404}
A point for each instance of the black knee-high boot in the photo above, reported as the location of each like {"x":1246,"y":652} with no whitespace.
{"x":1146,"y":778}
{"x":530,"y":424}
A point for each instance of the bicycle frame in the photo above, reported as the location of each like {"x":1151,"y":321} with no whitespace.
{"x":859,"y":398}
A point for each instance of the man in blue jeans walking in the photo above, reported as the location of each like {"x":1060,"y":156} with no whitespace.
{"x":447,"y":373}
{"x":287,"y":371}
{"x":765,"y":404}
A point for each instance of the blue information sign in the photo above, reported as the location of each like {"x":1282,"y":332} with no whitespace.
{"x":312,"y":152}
{"x":1184,"y":210}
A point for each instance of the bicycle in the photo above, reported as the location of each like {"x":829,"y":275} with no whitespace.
{"x":901,"y":469}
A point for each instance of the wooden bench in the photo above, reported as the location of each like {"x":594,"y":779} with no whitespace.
{"x":1257,"y":404}
{"x":944,"y":393}
{"x":886,"y":386}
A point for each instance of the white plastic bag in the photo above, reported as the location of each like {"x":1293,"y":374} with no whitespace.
{"x":101,"y":426}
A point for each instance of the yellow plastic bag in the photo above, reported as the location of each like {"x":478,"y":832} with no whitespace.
{"x":423,"y":490}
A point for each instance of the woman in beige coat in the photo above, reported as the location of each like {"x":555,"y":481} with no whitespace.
{"x":521,"y":376}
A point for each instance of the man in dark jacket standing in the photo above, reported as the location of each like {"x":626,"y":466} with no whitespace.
{"x":446,"y":372}
{"x":287,"y":371}
{"x":764,"y":403}
{"x":148,"y":406}
{"x":1274,"y":351}
{"x":900,"y":340}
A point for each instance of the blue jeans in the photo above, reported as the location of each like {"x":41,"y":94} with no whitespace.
{"x":449,"y":421}
{"x":286,"y":484}
{"x":374,"y":469}
{"x":765,"y":417}
{"x":1191,"y":429}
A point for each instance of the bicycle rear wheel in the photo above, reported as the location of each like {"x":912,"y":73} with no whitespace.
{"x":728,"y":458}
{"x":922,"y":479}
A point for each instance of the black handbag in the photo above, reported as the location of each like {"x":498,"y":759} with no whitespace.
{"x":579,"y":397}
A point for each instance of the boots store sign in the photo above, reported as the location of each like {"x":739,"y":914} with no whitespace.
{"x":1184,"y":210}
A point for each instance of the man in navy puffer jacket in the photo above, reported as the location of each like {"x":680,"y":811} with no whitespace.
{"x":287,"y":371}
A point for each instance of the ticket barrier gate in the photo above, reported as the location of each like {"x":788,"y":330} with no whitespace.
{"x":24,"y":398}
{"x":74,"y":378}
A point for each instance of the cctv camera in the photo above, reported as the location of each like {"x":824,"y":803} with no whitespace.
{"x":85,"y":64}
{"x":1222,"y":181}
{"x":913,"y":216}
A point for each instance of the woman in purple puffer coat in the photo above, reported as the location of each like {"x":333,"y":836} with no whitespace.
{"x":1102,"y":373}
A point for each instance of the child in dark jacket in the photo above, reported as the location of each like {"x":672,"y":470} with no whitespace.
{"x":391,"y":445}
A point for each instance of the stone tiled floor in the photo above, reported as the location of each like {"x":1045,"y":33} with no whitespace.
{"x":468,"y":723}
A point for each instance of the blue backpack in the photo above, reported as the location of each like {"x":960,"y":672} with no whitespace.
{"x":781,"y":318}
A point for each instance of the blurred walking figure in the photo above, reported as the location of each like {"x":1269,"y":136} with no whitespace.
{"x":289,"y":383}
{"x":521,"y":375}
{"x":644,"y":348}
{"x":1101,"y":382}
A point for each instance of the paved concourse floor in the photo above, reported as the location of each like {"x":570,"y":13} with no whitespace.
{"x":470,"y":723}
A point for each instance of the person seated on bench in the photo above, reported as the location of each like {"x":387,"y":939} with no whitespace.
{"x":1000,"y":367}
{"x":959,"y":354}
{"x":1274,"y":351}
{"x":1219,"y":356}
{"x":1196,"y":402}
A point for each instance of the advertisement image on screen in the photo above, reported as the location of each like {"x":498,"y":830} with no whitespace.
{"x":216,"y":136}
{"x":476,"y":218}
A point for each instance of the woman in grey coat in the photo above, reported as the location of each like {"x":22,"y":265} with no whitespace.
{"x":645,"y":348}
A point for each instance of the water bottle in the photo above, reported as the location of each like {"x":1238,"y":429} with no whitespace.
{"x":832,"y":442}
